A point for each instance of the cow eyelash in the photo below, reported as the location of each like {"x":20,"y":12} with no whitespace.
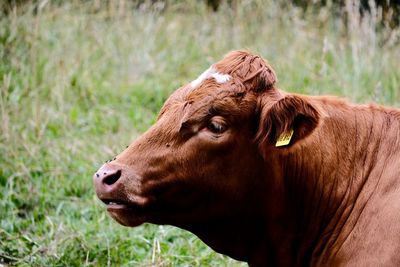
{"x":216,"y":126}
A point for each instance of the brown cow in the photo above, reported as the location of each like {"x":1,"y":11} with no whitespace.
{"x":327,"y":194}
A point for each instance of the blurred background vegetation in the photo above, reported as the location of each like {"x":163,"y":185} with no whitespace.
{"x":79,"y":80}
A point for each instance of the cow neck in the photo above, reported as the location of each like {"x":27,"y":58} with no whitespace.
{"x":240,"y":234}
{"x":327,"y":180}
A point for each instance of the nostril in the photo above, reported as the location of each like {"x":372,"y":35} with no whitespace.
{"x":111,"y":178}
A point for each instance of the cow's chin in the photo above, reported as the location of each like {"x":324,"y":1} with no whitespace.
{"x":126,"y":216}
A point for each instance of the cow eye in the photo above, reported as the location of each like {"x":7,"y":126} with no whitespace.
{"x":216,"y":125}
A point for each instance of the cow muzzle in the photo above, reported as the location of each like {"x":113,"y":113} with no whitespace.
{"x":106,"y":180}
{"x":126,"y":205}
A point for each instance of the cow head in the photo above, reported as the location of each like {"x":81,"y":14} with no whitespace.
{"x":206,"y":157}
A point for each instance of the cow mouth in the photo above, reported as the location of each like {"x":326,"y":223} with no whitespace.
{"x":114,"y":204}
{"x":121,"y":205}
{"x":125,"y":212}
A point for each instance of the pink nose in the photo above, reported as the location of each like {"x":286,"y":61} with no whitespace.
{"x":106,"y":176}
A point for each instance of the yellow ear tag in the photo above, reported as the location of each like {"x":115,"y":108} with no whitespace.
{"x":284,"y":138}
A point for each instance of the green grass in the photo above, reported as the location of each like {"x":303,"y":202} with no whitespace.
{"x":81,"y":81}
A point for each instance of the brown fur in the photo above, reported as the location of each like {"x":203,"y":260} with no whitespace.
{"x":329,"y":198}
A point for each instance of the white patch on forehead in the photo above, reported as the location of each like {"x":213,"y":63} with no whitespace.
{"x":210,"y":73}
{"x":221,"y":78}
{"x":202,"y":77}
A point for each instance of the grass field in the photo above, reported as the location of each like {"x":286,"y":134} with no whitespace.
{"x":78,"y":82}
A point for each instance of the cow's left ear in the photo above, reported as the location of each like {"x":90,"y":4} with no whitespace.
{"x":287,"y":121}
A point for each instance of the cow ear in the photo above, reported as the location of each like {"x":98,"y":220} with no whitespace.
{"x":291,"y":116}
